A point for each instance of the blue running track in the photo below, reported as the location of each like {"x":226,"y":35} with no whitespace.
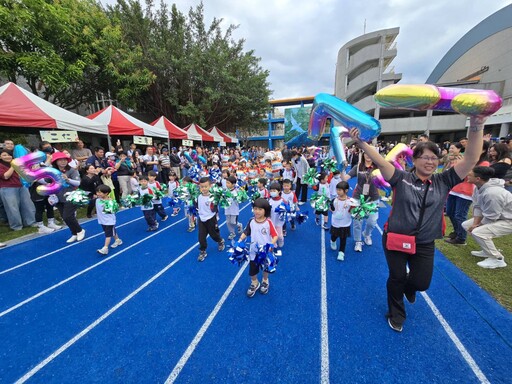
{"x":149,"y":312}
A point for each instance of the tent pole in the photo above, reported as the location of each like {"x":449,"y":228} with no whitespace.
{"x":109,"y":143}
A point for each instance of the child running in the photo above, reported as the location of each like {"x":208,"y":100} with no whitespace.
{"x":171,"y":187}
{"x":207,"y":223}
{"x":289,"y":196}
{"x":157,"y":203}
{"x":341,"y":219}
{"x":323,"y":190}
{"x":233,"y":210}
{"x":147,"y":209}
{"x":106,"y":220}
{"x":275,"y":201}
{"x":261,"y":230}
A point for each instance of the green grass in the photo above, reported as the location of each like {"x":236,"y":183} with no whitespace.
{"x":495,"y":281}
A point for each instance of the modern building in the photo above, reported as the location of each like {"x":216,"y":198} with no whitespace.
{"x":363,"y":67}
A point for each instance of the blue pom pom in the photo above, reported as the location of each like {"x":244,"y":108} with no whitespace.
{"x":239,"y":253}
{"x":266,"y":259}
{"x":301,"y":217}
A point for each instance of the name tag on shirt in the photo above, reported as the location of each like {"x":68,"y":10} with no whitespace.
{"x":366,"y":189}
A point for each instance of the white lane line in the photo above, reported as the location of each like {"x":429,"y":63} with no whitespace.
{"x":62,"y":249}
{"x":41,"y":293}
{"x":324,"y":367}
{"x":192,"y":346}
{"x":93,"y":325}
{"x":453,"y":337}
{"x":463,"y":351}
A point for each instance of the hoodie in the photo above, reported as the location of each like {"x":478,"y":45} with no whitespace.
{"x":492,"y":201}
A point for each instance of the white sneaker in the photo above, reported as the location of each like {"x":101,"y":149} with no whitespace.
{"x":368,"y":240}
{"x":117,"y":243}
{"x":240,"y":228}
{"x":231,"y":236}
{"x":52,"y":225}
{"x":44,"y":230}
{"x":103,"y":251}
{"x":359,"y":246}
{"x":72,"y":239}
{"x":479,"y":254}
{"x":491,"y":263}
{"x":2,"y":245}
{"x":333,"y":245}
{"x":301,"y":203}
{"x":80,"y":235}
{"x":341,"y":256}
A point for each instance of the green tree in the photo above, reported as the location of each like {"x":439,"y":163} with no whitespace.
{"x":67,"y":51}
{"x":202,"y":74}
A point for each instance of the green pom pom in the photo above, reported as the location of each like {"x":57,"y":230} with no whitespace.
{"x":329,"y":165}
{"x":110,"y":206}
{"x":78,"y":197}
{"x":311,"y":177}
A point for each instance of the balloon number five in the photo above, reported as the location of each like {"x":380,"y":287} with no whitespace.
{"x":24,"y":166}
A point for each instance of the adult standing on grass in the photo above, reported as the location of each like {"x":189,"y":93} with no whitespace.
{"x":492,"y":215}
{"x":419,"y":198}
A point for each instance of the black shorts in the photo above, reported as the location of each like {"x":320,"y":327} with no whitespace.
{"x":325,"y":213}
{"x":341,"y":232}
{"x":254,"y":268}
{"x":110,"y":230}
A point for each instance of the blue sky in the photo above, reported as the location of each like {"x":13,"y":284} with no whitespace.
{"x":298,"y":41}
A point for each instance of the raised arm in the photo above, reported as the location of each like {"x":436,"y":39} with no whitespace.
{"x":386,"y":169}
{"x":474,"y":147}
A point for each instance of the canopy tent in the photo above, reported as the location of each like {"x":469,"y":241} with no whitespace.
{"x":21,"y":108}
{"x":228,"y":139}
{"x":175,"y":132}
{"x":196,"y":129}
{"x":217,"y":137}
{"x":121,"y":123}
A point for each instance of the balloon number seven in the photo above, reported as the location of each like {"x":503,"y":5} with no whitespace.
{"x":24,"y":167}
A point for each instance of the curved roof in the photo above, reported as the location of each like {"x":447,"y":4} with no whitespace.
{"x":495,"y":23}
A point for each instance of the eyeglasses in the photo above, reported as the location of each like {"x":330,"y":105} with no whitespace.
{"x":428,"y":158}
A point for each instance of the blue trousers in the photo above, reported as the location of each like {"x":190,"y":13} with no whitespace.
{"x":457,"y":210}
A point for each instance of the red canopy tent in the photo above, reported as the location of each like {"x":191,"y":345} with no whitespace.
{"x":21,"y":108}
{"x":196,"y":129}
{"x":217,"y":132}
{"x":121,"y":123}
{"x":175,"y":132}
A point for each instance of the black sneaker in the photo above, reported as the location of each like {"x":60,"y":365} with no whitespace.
{"x":395,"y":326}
{"x":325,"y":226}
{"x":455,"y":241}
{"x":411,"y":297}
{"x":264,"y":287}
{"x":317,"y":221}
{"x":452,"y":235}
{"x":165,"y":218}
{"x":202,"y":256}
{"x":191,"y":228}
{"x":252,"y":290}
{"x":222,"y":246}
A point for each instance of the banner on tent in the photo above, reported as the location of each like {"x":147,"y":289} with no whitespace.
{"x":142,"y":140}
{"x":59,"y":136}
{"x":187,"y":143}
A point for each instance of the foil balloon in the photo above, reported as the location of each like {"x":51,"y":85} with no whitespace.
{"x":420,"y":97}
{"x":188,"y":157}
{"x":379,"y":181}
{"x":26,"y":165}
{"x":337,"y":134}
{"x":399,"y":151}
{"x":202,"y":159}
{"x":327,"y":106}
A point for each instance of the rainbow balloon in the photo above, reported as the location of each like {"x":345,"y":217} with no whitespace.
{"x":24,"y":166}
{"x":400,"y":150}
{"x":327,"y":106}
{"x":379,"y":181}
{"x":420,"y":97}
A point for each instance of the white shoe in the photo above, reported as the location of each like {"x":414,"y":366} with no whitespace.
{"x":368,"y":240}
{"x":52,"y":225}
{"x":80,"y":235}
{"x":231,"y":236}
{"x":341,"y":256}
{"x":301,"y":203}
{"x":2,"y":245}
{"x":333,"y":245}
{"x":117,"y":243}
{"x":72,"y":239}
{"x":479,"y":254}
{"x":240,"y":228}
{"x":359,"y":246}
{"x":491,"y":263}
{"x":44,"y":230}
{"x":103,"y":251}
